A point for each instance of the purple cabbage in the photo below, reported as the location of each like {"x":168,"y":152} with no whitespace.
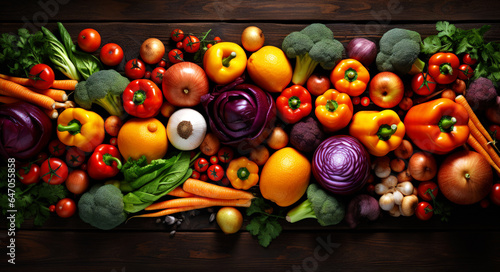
{"x":240,"y":114}
{"x":341,"y":165}
{"x":24,"y":130}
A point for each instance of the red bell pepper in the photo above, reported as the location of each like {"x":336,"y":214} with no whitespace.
{"x":142,"y":98}
{"x":443,"y":67}
{"x":105,"y":162}
{"x":294,"y":103}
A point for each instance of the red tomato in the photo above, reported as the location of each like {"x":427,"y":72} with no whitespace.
{"x":495,"y":194}
{"x":77,"y":182}
{"x":225,"y":182}
{"x":201,"y":165}
{"x":66,"y":207}
{"x":74,"y":157}
{"x":425,"y":188}
{"x":495,"y":129}
{"x":465,"y":72}
{"x":111,"y":54}
{"x":214,"y":159}
{"x":147,"y":75}
{"x":41,"y":76}
{"x":54,"y":171}
{"x":424,"y":211}
{"x":175,"y":56}
{"x":215,"y":172}
{"x":217,"y":40}
{"x":318,"y":84}
{"x":468,"y":60}
{"x":157,"y":75}
{"x":56,"y":148}
{"x":29,"y":173}
{"x":135,"y":69}
{"x":195,"y":175}
{"x":52,"y":208}
{"x":83,"y":167}
{"x":42,"y":156}
{"x":209,"y":45}
{"x":423,"y":84}
{"x":365,"y":101}
{"x":113,"y":141}
{"x":177,"y":35}
{"x":356,"y":100}
{"x":162,"y":63}
{"x":191,"y":44}
{"x":89,"y":40}
{"x":179,"y":45}
{"x":204,"y":177}
{"x":225,"y":154}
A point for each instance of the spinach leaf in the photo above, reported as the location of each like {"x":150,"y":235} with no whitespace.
{"x":59,"y":56}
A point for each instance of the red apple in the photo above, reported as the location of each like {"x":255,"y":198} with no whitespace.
{"x":386,"y":90}
{"x":318,"y":84}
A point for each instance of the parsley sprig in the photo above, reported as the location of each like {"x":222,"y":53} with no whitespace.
{"x":264,"y":225}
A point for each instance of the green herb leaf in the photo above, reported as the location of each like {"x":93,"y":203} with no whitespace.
{"x":431,"y":45}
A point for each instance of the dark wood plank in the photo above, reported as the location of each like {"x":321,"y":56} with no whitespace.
{"x":292,"y":251}
{"x":39,"y":12}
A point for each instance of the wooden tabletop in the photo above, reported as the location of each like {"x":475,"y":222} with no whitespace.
{"x":468,"y":242}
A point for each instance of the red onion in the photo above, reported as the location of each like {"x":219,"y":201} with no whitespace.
{"x":362,"y":50}
{"x":341,"y":165}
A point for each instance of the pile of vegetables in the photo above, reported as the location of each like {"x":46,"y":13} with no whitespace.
{"x":372,"y":146}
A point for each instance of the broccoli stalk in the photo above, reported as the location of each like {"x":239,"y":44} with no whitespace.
{"x":304,"y":67}
{"x":319,"y":205}
{"x":112,"y":103}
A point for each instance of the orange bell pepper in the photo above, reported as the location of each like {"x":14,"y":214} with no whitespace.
{"x":437,"y":126}
{"x":334,"y":110}
{"x":380,"y":132}
{"x":350,"y":77}
{"x":243,"y":173}
{"x":224,"y":62}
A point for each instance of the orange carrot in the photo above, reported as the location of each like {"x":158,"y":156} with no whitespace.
{"x":198,"y":201}
{"x":12,"y":89}
{"x":57,"y":95}
{"x":168,"y":211}
{"x":8,"y":99}
{"x":472,"y":116}
{"x":492,"y":154}
{"x":19,"y":80}
{"x":206,"y":189}
{"x":52,"y":113}
{"x":480,"y":149}
{"x":178,"y":192}
{"x":66,"y":84}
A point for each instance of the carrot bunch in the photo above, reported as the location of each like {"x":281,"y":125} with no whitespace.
{"x":197,"y":194}
{"x":479,"y":138}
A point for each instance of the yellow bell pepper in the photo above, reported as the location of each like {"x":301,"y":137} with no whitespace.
{"x":81,"y":128}
{"x":380,"y":132}
{"x":224,"y":62}
{"x":243,"y":173}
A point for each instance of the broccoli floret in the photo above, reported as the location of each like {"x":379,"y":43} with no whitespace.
{"x":399,"y":49}
{"x":311,"y":46}
{"x":481,"y":93}
{"x":103,"y":88}
{"x":320,"y":205}
{"x":102,"y":207}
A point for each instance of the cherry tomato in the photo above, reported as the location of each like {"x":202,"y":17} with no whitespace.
{"x":208,"y":46}
{"x":495,"y":194}
{"x":113,"y":141}
{"x":74,"y":157}
{"x":41,"y":76}
{"x":365,"y":101}
{"x":204,"y":177}
{"x":195,"y":175}
{"x":83,"y":167}
{"x":215,"y":172}
{"x":201,"y":165}
{"x":495,"y":129}
{"x":423,"y":84}
{"x":56,"y":147}
{"x":318,"y":84}
{"x":65,"y":207}
{"x":406,"y":103}
{"x":425,"y":188}
{"x":356,"y":100}
{"x":225,"y":182}
{"x":214,"y":159}
{"x":468,"y":60}
{"x":179,"y":45}
{"x":424,"y":211}
{"x":135,"y":69}
{"x":191,"y":44}
{"x":162,"y":63}
{"x":52,"y":208}
{"x":465,"y":72}
{"x":175,"y":56}
{"x":77,"y":182}
{"x":54,"y":171}
{"x":111,"y":54}
{"x":225,"y":154}
{"x":89,"y":40}
{"x":147,"y":74}
{"x":29,"y":173}
{"x":177,"y":35}
{"x":217,"y":39}
{"x":42,"y":156}
{"x":157,"y":75}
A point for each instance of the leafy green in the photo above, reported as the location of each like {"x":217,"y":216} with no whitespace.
{"x":263,"y":225}
{"x":31,"y":202}
{"x":139,"y":172}
{"x":18,"y":53}
{"x":59,"y":56}
{"x":453,"y":39}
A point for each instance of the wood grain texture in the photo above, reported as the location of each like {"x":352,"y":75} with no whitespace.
{"x":292,"y":251}
{"x":239,"y":10}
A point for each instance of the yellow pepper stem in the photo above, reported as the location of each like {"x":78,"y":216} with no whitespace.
{"x":385,"y":131}
{"x":243,"y":173}
{"x":74,"y":126}
{"x":226,"y":60}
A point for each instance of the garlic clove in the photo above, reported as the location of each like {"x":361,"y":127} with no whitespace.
{"x":386,"y":202}
{"x":398,"y":197}
{"x":406,"y":188}
{"x":381,"y":189}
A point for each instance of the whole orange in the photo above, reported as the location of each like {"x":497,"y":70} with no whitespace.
{"x":139,"y":137}
{"x":285,"y":177}
{"x":270,"y":69}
